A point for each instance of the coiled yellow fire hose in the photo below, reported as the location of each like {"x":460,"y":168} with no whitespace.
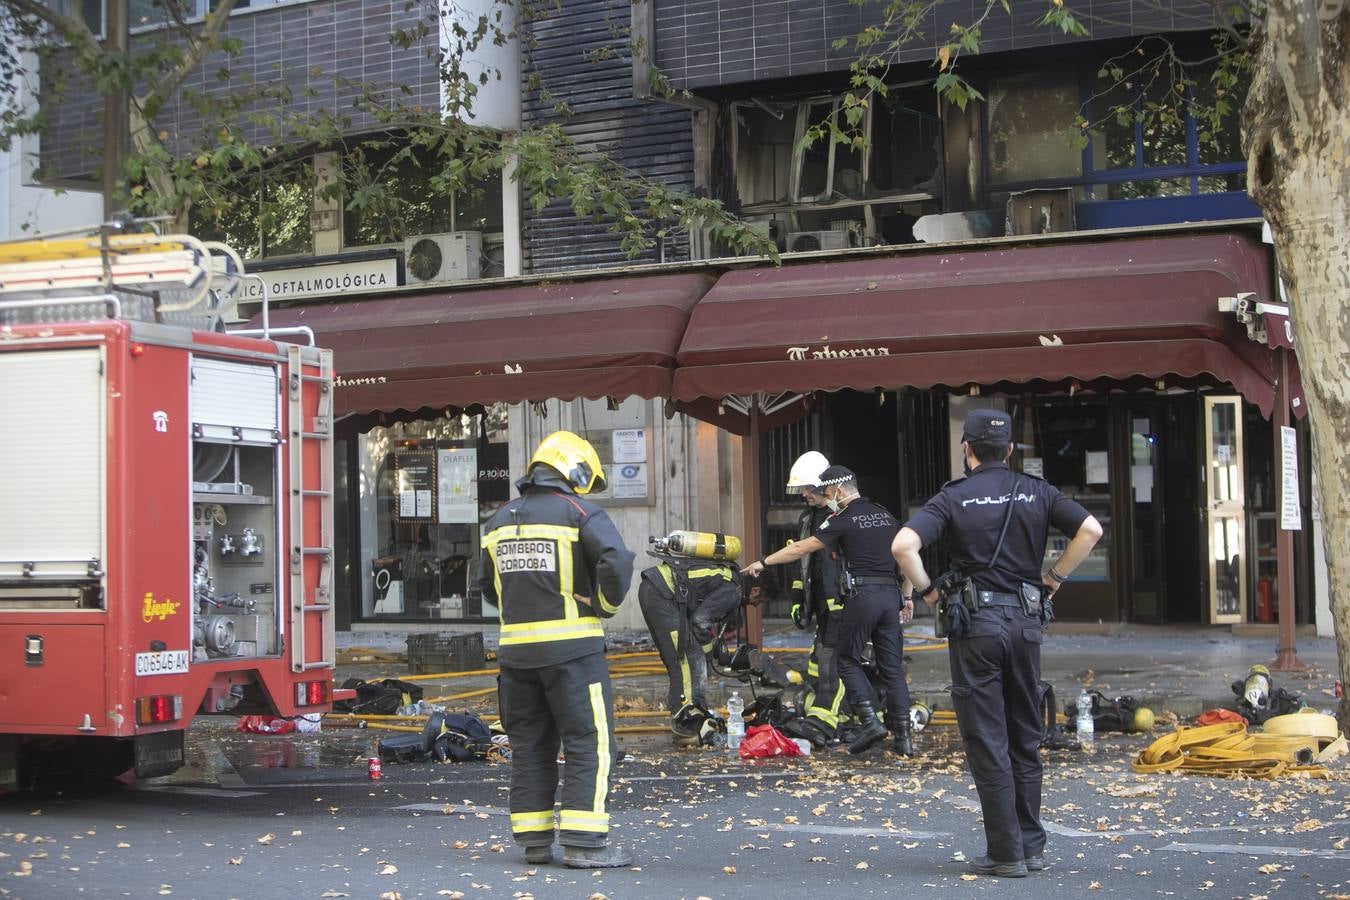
{"x":1226,"y":749}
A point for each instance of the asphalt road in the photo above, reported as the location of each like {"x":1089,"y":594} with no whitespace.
{"x":295,"y":816}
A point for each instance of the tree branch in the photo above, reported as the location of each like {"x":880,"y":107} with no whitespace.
{"x":197,"y":48}
{"x":72,"y":29}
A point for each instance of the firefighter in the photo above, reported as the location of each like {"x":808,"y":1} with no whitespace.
{"x":683,"y":601}
{"x":814,"y":599}
{"x":555,"y":565}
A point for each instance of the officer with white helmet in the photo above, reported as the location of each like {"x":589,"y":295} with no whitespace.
{"x":815,"y":589}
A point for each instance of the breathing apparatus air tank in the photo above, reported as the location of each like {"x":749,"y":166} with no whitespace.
{"x":1256,"y":688}
{"x":699,"y":545}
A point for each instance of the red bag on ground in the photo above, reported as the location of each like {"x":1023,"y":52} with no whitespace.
{"x":264,"y":725}
{"x":1215,"y":716}
{"x":762,"y":741}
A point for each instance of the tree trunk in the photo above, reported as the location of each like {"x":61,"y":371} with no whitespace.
{"x":1296,"y":128}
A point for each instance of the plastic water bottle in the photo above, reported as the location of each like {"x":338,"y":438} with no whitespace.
{"x":1085,"y":720}
{"x":735,"y":722}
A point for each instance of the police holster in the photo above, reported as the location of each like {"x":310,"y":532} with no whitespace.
{"x":957,"y":590}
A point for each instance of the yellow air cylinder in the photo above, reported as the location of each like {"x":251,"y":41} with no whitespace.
{"x":701,"y":544}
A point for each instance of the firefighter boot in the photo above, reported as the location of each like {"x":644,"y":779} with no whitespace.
{"x":596,"y":857}
{"x":871,"y":730}
{"x":539,"y":856}
{"x":904,"y":739}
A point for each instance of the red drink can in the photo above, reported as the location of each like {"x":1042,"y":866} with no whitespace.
{"x":373,"y":768}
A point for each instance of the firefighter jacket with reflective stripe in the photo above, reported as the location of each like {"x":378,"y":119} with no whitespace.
{"x":539,"y":552}
{"x":816,"y":584}
{"x":708,"y":591}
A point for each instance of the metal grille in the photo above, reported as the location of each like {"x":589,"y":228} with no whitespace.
{"x":925,"y":442}
{"x":782,"y":446}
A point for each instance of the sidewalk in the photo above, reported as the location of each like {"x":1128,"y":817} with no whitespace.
{"x":1180,"y":671}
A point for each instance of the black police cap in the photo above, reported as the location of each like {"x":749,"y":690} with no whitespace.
{"x":988,"y":425}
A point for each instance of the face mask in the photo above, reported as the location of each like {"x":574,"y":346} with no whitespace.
{"x":833,"y":504}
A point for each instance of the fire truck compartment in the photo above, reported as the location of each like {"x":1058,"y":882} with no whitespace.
{"x":53,"y":454}
{"x":52,"y":677}
{"x":236,"y":458}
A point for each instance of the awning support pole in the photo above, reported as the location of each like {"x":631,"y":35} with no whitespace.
{"x":753,"y":539}
{"x":1286,"y":657}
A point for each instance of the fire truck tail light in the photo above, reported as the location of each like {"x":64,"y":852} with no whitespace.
{"x":160,"y":709}
{"x":312,"y":693}
{"x":137,"y":351}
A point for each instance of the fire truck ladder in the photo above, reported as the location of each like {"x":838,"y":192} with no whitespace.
{"x":311,"y":600}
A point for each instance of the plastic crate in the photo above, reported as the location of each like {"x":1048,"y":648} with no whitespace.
{"x":445,"y":652}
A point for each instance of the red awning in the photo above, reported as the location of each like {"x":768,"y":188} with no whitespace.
{"x":1114,"y":309}
{"x":606,"y":337}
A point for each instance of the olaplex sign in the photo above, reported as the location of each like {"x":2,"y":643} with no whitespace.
{"x":323,"y":280}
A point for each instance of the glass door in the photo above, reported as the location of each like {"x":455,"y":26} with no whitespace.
{"x":1225,"y":510}
{"x":1147,"y":600}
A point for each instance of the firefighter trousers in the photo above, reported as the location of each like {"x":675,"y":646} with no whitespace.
{"x":996,"y":673}
{"x":680,"y":654}
{"x":570,"y":704}
{"x":874,"y":615}
{"x":825,"y":700}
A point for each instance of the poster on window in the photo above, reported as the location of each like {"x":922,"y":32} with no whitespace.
{"x":630,"y":445}
{"x":415,"y":485}
{"x":628,"y":481}
{"x":457,"y":483}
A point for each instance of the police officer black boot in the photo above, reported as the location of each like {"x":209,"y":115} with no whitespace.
{"x":904,"y":739}
{"x":871,"y":731}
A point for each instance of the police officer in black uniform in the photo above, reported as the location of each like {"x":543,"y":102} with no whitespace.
{"x":874,"y":608}
{"x":996,"y":661}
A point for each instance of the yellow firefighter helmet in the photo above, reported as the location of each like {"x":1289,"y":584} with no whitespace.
{"x":573,"y":458}
{"x":805,"y":472}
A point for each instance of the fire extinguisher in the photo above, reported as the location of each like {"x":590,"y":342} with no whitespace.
{"x":1265,"y":606}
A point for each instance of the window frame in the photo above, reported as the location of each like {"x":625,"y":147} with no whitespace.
{"x":1089,"y":177}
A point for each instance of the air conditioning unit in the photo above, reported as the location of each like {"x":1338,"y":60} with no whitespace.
{"x":804,"y":241}
{"x":442,"y":257}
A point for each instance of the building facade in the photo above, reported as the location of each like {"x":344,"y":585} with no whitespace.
{"x":1035,"y":249}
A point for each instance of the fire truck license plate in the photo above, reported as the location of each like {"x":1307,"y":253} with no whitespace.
{"x":168,"y":663}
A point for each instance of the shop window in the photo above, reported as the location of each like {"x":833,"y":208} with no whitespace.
{"x":1068,"y":446}
{"x":1031,"y":121}
{"x":427,"y":488}
{"x":396,"y":192}
{"x":261,"y":215}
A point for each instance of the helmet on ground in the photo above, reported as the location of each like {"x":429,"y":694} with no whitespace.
{"x":573,"y":458}
{"x":1143,"y":719}
{"x":805,"y":472}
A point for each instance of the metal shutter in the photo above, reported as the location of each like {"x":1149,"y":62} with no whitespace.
{"x":52,"y":461}
{"x":228,"y":396}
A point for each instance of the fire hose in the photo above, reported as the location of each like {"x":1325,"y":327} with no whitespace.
{"x":1227,"y":750}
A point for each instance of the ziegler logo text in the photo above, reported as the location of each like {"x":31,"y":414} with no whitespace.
{"x":158,"y":609}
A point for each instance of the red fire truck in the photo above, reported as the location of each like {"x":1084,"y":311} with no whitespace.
{"x":166,"y":517}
